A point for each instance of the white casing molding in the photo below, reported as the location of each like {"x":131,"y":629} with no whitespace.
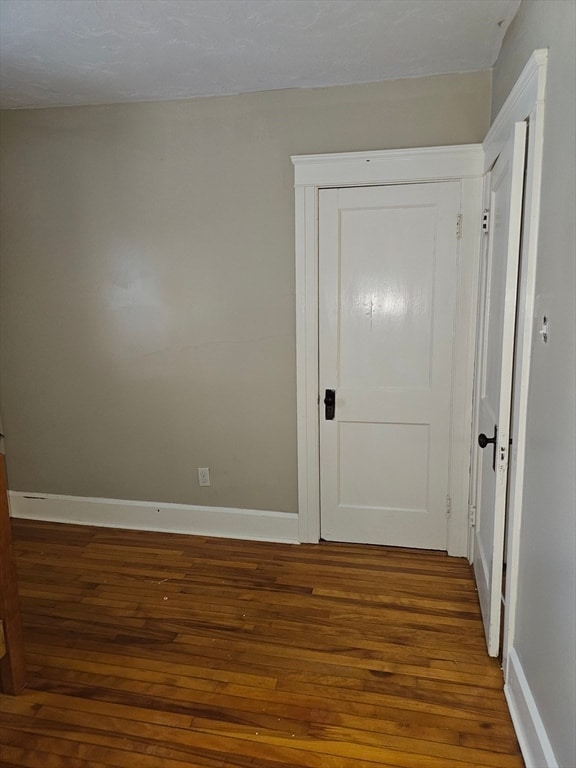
{"x":388,"y":166}
{"x":463,"y":163}
{"x":223,"y":522}
{"x":527,"y":92}
{"x":534,"y":742}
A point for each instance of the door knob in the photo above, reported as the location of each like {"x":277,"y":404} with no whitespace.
{"x":483,"y":441}
{"x":329,"y":404}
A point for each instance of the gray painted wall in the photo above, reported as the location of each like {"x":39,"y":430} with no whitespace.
{"x":147,"y":292}
{"x":545,"y":632}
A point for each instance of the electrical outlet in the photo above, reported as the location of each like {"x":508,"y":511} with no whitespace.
{"x":203,"y":476}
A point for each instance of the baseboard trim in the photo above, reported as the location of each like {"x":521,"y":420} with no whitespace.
{"x":534,"y":742}
{"x":223,"y":522}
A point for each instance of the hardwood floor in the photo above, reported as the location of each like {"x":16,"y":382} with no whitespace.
{"x":171,"y":651}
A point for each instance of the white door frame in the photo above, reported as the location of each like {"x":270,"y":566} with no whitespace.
{"x":525,"y":102}
{"x":464,"y":163}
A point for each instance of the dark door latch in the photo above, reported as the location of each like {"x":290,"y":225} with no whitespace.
{"x":483,"y":441}
{"x":329,"y":404}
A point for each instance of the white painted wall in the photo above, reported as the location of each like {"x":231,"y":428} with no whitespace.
{"x":147,"y":305}
{"x":545,"y":630}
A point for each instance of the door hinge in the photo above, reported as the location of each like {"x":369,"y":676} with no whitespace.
{"x":448,"y":505}
{"x":472,"y":515}
{"x":485,"y":220}
{"x":459,"y":226}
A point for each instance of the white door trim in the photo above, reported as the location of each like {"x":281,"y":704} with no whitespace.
{"x":525,"y":96}
{"x":525,"y":102}
{"x":312,"y":172}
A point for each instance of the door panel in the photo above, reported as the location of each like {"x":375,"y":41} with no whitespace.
{"x":387,"y":276}
{"x":496,"y":369}
{"x":385,"y":309}
{"x":380,"y":476}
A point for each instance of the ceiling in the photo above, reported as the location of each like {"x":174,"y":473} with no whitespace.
{"x":70,"y":52}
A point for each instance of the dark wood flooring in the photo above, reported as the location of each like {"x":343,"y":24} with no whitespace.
{"x":170,"y":651}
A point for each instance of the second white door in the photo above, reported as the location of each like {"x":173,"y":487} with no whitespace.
{"x":388,"y":281}
{"x":495,"y":369}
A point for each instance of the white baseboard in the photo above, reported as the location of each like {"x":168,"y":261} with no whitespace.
{"x":224,"y":522}
{"x":534,"y":742}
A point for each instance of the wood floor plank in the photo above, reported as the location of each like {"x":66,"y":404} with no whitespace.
{"x":174,"y":651}
{"x":86,"y":661}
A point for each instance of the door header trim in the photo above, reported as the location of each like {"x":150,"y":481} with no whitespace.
{"x":388,"y":166}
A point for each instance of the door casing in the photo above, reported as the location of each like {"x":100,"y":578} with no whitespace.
{"x":464,"y":163}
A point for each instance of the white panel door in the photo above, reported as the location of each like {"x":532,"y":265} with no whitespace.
{"x":496,"y":360}
{"x":387,"y":277}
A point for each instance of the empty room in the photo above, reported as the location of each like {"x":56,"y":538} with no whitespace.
{"x":287,"y":383}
